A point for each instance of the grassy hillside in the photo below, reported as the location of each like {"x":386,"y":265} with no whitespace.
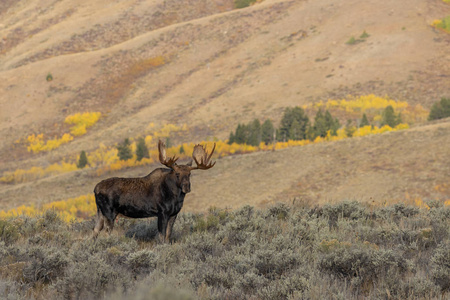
{"x":190,"y":71}
{"x":407,"y":165}
{"x":141,"y":62}
{"x":342,"y":251}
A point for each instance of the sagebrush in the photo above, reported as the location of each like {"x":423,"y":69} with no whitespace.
{"x":347,"y":250}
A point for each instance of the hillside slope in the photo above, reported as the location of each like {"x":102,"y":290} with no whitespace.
{"x":214,"y":69}
{"x":395,"y":166}
{"x":209,"y":66}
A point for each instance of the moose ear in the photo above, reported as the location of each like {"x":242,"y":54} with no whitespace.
{"x":189,"y":163}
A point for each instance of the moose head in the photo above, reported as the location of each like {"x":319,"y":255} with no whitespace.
{"x":182,"y":173}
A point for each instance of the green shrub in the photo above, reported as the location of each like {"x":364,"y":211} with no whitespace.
{"x":142,"y":262}
{"x":279,"y":211}
{"x":9,"y":233}
{"x":362,"y":265}
{"x":91,"y":279}
{"x":124,"y":150}
{"x":142,"y":150}
{"x":441,"y":266}
{"x":351,"y":41}
{"x":243,"y":3}
{"x":82,"y":161}
{"x":364,"y":35}
{"x":440,"y":109}
{"x":46,"y":265}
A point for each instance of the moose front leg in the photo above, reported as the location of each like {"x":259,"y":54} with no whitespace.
{"x":162,"y":227}
{"x":169,"y":227}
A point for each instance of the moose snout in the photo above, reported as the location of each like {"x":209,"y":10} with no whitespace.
{"x":186,"y":188}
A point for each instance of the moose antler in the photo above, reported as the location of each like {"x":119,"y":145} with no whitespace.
{"x":162,"y":156}
{"x":202,"y":158}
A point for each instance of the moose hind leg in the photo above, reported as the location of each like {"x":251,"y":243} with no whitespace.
{"x":109,"y":225}
{"x":100,"y":223}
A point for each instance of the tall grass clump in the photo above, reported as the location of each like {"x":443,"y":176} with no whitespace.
{"x":346,"y":250}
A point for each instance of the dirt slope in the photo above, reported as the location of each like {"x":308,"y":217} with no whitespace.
{"x":203,"y":64}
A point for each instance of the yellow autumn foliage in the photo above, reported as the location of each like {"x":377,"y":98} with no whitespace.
{"x":74,"y":209}
{"x":38,"y":144}
{"x":373,"y":104}
{"x":360,"y":104}
{"x":82,"y":121}
{"x":24,"y":175}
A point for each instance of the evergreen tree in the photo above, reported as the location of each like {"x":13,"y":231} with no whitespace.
{"x":295,"y":131}
{"x":320,"y":125}
{"x":82,"y":161}
{"x":331,"y":124}
{"x":141,"y":149}
{"x":254,"y":136}
{"x":124,"y":150}
{"x":364,"y":121}
{"x":349,"y":129}
{"x":267,"y":132}
{"x":440,"y":110}
{"x":231,"y":139}
{"x":181,"y":149}
{"x":324,"y":123}
{"x":290,"y":115}
{"x":388,"y":117}
{"x":242,"y":135}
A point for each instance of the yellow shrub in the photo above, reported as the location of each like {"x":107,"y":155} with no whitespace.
{"x":82,"y":207}
{"x":21,"y":175}
{"x":37,"y":143}
{"x":364,"y":103}
{"x":82,"y":121}
{"x":373,"y":105}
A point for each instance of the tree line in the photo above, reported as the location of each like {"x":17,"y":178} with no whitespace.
{"x":295,"y":125}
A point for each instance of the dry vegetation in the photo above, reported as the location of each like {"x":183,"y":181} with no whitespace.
{"x":342,"y":251}
{"x":368,"y":216}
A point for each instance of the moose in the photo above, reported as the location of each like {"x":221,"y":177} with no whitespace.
{"x":159,"y":194}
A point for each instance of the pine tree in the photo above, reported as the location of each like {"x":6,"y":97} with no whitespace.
{"x":388,"y":117}
{"x":349,"y":129}
{"x":364,"y":121}
{"x":181,"y":149}
{"x":242,"y":134}
{"x":254,"y":137}
{"x":440,"y":110}
{"x":291,"y":114}
{"x":141,"y":150}
{"x":124,"y":150}
{"x":295,"y":131}
{"x":82,"y":161}
{"x":332,"y":124}
{"x":320,"y":125}
{"x":267,"y":132}
{"x":231,"y":139}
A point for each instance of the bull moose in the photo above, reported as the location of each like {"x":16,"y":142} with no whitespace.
{"x":159,"y":194}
